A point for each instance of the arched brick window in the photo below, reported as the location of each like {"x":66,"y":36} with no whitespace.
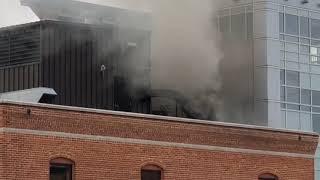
{"x":151,"y":172}
{"x":268,"y":176}
{"x":61,"y":169}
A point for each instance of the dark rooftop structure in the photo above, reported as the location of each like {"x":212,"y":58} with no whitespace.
{"x":92,"y":56}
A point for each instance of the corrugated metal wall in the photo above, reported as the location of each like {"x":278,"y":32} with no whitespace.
{"x":81,"y":62}
{"x":71,"y":62}
{"x":20,"y":58}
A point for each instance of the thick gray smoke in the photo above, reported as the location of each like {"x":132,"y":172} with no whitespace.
{"x":185,"y":54}
{"x":185,"y":51}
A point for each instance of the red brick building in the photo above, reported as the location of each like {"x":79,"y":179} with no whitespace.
{"x":39,"y":141}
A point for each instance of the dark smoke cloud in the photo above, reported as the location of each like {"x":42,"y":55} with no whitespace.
{"x":187,"y":54}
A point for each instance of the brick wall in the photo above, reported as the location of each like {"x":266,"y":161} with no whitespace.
{"x":109,"y":145}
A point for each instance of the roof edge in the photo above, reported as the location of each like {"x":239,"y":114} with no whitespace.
{"x":159,"y":118}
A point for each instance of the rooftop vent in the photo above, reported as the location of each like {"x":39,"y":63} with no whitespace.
{"x":35,"y":95}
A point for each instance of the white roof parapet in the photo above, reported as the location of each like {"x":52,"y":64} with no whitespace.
{"x":29,"y":95}
{"x":83,"y":12}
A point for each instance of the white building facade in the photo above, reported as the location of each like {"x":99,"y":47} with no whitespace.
{"x":284,"y":65}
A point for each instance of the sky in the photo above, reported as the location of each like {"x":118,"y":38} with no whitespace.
{"x":12,"y":13}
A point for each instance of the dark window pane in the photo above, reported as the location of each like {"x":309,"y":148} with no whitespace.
{"x":268,"y":177}
{"x":281,"y":22}
{"x":292,"y":24}
{"x":283,"y":105}
{"x":316,"y":122}
{"x":316,"y":98}
{"x":315,"y":28}
{"x":293,"y":78}
{"x":293,"y":95}
{"x":60,"y":172}
{"x":150,"y":175}
{"x":304,"y":27}
{"x":305,"y":96}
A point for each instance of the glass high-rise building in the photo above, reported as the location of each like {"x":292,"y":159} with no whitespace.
{"x":279,"y":66}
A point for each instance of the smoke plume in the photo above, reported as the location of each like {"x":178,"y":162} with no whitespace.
{"x":185,"y":51}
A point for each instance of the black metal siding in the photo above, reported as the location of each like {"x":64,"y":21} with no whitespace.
{"x":70,"y":60}
{"x":20,"y":58}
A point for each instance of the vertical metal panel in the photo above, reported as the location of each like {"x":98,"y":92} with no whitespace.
{"x":2,"y":78}
{"x":67,"y":76}
{"x":94,"y":66}
{"x":62,"y":66}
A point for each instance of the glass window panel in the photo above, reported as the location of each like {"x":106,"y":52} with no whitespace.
{"x":283,"y":94}
{"x":316,"y":98}
{"x":293,"y":66}
{"x":304,"y":26}
{"x":281,"y":37}
{"x":293,"y":95}
{"x":292,"y":47}
{"x":282,"y":76}
{"x":293,"y":120}
{"x":315,"y":68}
{"x":282,"y":64}
{"x":283,"y":118}
{"x":305,"y":80}
{"x":316,"y":109}
{"x":304,"y":49}
{"x":316,"y":122}
{"x":293,"y":78}
{"x":283,"y":105}
{"x":315,"y":43}
{"x":293,"y":107}
{"x":292,"y":39}
{"x":305,"y":121}
{"x":315,"y":28}
{"x":305,"y":96}
{"x":314,"y":51}
{"x":282,"y":46}
{"x":304,"y":68}
{"x":304,"y":58}
{"x":305,"y":108}
{"x":282,"y":56}
{"x":292,"y":56}
{"x":315,"y":79}
{"x":305,"y":41}
{"x":314,"y":60}
{"x":281,"y":22}
{"x":292,"y":24}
